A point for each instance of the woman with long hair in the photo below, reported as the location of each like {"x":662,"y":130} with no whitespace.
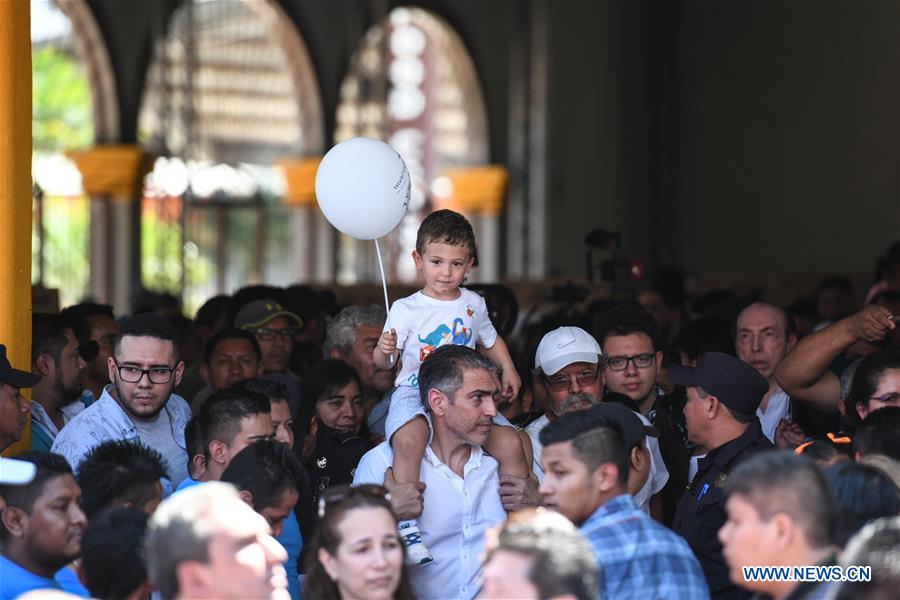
{"x":356,"y":553}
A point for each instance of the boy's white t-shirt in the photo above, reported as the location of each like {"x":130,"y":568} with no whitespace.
{"x":424,"y":324}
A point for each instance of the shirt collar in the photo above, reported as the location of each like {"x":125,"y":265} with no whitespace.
{"x":474,"y":461}
{"x":724,"y":454}
{"x":620,"y":503}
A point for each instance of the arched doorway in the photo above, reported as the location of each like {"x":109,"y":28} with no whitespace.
{"x":230,"y":92}
{"x":73,"y":106}
{"x":412,"y":84}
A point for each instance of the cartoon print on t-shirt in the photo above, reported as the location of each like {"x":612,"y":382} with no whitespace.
{"x":435,"y":339}
{"x":459,"y":335}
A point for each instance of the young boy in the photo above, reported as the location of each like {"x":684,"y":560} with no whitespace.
{"x":441,"y":313}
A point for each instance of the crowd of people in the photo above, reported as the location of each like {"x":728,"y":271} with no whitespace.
{"x":658,"y":446}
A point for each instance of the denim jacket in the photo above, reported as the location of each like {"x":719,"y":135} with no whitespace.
{"x":105,"y":420}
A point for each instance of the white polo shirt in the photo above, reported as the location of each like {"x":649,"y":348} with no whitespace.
{"x":458,"y":512}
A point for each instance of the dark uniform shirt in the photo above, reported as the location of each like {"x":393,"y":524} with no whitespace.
{"x":701,"y":510}
{"x":333,"y":462}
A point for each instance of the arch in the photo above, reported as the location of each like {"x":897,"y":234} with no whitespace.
{"x":63,"y":214}
{"x":231,"y":90}
{"x":231,"y":82}
{"x":91,"y":49}
{"x":412,"y":83}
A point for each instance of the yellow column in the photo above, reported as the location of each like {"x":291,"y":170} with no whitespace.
{"x":15,"y":188}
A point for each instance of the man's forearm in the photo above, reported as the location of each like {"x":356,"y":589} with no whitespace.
{"x":809,"y":360}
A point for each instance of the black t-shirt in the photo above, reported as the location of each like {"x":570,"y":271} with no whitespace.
{"x":333,"y":462}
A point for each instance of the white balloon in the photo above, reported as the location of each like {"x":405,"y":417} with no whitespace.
{"x":363,"y":188}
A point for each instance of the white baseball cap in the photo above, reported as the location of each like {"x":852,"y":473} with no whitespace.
{"x":16,"y":472}
{"x":564,"y":346}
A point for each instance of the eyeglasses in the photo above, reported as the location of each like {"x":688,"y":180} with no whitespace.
{"x":620,"y":363}
{"x":336,"y":494}
{"x":561,"y":381}
{"x":135,"y":374}
{"x":266,"y":334}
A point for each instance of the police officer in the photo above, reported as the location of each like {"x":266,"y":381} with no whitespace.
{"x":723,"y":393}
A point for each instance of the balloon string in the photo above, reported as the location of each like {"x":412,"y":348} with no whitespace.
{"x":387,"y":306}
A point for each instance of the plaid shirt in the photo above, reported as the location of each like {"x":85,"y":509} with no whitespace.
{"x":639,"y":558}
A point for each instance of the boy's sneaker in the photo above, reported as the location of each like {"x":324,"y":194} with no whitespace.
{"x":417,"y":553}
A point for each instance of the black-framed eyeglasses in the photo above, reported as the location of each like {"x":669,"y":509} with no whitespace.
{"x":620,"y":363}
{"x":266,"y":334}
{"x":130,"y":374}
{"x":335,"y":494}
{"x":561,"y":381}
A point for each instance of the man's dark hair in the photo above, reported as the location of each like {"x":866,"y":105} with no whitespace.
{"x":879,"y":433}
{"x":149,"y":325}
{"x":118,"y":472}
{"x":222,"y":413}
{"x":212,"y":311}
{"x":273,"y":390}
{"x":875,"y":546}
{"x":267,"y":470}
{"x":594,"y":441}
{"x":863,"y":493}
{"x":704,"y":335}
{"x":562,"y":562}
{"x":626,"y":319}
{"x":443,"y":369}
{"x":112,"y":552}
{"x":77,"y":317}
{"x":779,"y":481}
{"x":325,"y":378}
{"x":47,"y":466}
{"x":865,"y":380}
{"x":48,"y":336}
{"x":229,"y":334}
{"x":193,"y":440}
{"x":447,"y":227}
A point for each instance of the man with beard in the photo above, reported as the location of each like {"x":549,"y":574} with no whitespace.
{"x":139,"y":404}
{"x":40,"y":529}
{"x":55,"y":399}
{"x":93,"y":323}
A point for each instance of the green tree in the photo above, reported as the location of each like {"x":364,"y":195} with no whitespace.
{"x":61,"y":102}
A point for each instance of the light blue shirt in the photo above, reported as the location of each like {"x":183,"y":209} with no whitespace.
{"x":105,"y":420}
{"x":186,"y":483}
{"x":292,"y":540}
{"x":15,"y":581}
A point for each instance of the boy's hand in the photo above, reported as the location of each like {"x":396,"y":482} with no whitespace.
{"x":510,"y":384}
{"x":387,"y":343}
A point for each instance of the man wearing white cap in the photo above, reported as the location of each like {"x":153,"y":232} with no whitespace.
{"x":568,"y":359}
